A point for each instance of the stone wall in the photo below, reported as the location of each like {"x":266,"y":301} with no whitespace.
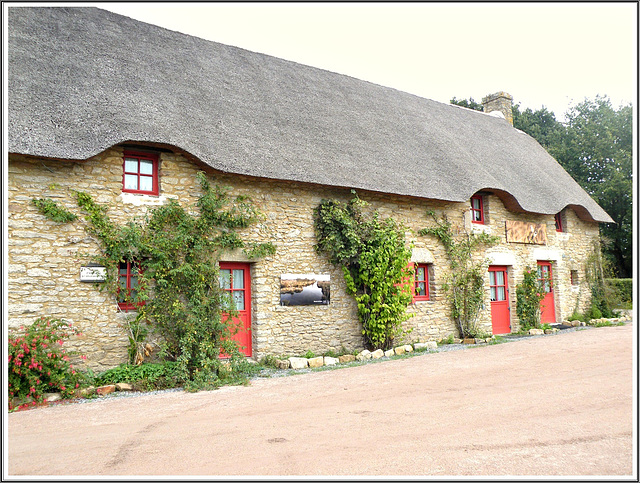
{"x":45,"y":257}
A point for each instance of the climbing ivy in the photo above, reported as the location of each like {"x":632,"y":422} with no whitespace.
{"x":465,"y":282}
{"x":374,"y":261}
{"x":179,"y":296}
{"x":529,"y":294}
{"x":53,"y":211}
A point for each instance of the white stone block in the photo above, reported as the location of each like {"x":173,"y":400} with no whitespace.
{"x":330,"y":361}
{"x":298,"y":362}
{"x":365,"y":354}
{"x":377,"y":354}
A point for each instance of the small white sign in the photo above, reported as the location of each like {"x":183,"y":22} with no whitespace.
{"x":93,"y":274}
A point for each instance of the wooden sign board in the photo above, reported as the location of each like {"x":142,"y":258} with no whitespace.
{"x":522,"y":232}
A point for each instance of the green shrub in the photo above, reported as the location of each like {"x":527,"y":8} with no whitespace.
{"x":448,"y":340}
{"x":374,"y":260}
{"x":594,"y":313}
{"x":144,"y":377}
{"x":38,"y":363}
{"x":577,"y":316}
{"x":620,"y":291}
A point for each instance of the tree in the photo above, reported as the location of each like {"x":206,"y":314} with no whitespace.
{"x":596,"y":149}
{"x":469,"y":104}
{"x":540,"y":125}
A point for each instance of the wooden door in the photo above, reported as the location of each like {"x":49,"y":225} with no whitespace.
{"x":500,"y":310}
{"x":235,"y":278}
{"x":547,"y":305}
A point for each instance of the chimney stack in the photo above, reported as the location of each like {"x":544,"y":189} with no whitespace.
{"x":501,"y":102}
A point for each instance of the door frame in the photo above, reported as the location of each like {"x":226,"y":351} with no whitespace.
{"x":506,"y":301}
{"x":549,"y":309}
{"x":245,"y":314}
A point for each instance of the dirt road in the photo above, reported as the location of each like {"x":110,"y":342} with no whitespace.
{"x":551,"y":405}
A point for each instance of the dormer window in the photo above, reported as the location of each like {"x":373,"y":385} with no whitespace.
{"x":558,"y":220}
{"x":477,"y":210}
{"x":140,"y":173}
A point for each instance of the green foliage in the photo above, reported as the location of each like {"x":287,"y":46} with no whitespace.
{"x":137,"y":332}
{"x":620,"y":291}
{"x":447,"y":340}
{"x":38,"y":363}
{"x":597,"y":151}
{"x":179,"y":256}
{"x":469,"y":104}
{"x":594,"y":275}
{"x":529,"y":294}
{"x":309,"y":355}
{"x":53,"y":211}
{"x":606,"y":323}
{"x":594,"y":313}
{"x":540,"y":125}
{"x":145,"y":377}
{"x":374,"y":260}
{"x":577,"y":316}
{"x":269,"y":361}
{"x":465,"y":283}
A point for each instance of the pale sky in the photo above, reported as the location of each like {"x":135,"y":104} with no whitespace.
{"x":543,"y":54}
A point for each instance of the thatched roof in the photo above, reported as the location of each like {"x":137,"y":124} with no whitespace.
{"x":83,"y":79}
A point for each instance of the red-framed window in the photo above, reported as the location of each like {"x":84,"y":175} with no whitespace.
{"x":128,"y":285}
{"x":421,"y":282}
{"x":140,"y":173}
{"x":558,"y":220}
{"x":477,"y":210}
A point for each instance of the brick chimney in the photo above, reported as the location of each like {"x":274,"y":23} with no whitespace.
{"x":501,"y":102}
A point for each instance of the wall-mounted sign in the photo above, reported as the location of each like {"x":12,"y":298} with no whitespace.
{"x":523,"y":232}
{"x":93,"y":274}
{"x":304,"y":289}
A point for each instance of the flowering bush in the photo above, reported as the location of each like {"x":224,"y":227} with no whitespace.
{"x":38,"y":363}
{"x":529,"y":294}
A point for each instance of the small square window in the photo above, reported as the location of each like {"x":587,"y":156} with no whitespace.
{"x":140,"y":173}
{"x":477,"y":210}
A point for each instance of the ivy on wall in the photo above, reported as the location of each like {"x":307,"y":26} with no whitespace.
{"x":177,"y":255}
{"x":374,"y":261}
{"x":529,"y":294}
{"x":53,"y":211}
{"x":464,"y":284}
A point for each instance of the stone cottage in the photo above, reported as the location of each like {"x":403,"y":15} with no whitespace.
{"x":130,"y":112}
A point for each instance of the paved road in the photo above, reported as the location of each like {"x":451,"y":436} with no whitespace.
{"x":551,"y":405}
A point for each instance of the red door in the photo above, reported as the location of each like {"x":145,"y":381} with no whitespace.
{"x":547,"y":305}
{"x":500,"y":312}
{"x":235,"y":278}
